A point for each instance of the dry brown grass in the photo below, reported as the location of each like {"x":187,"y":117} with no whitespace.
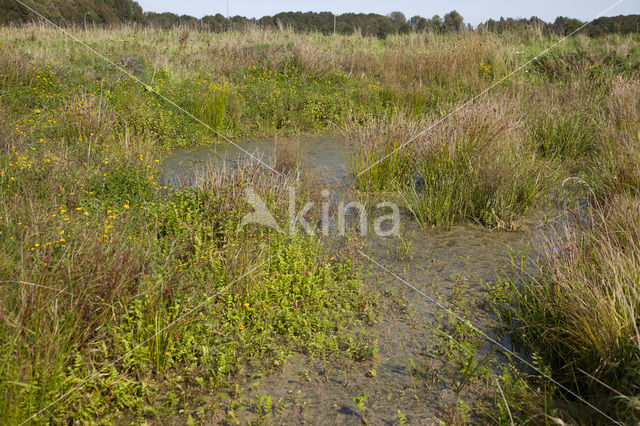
{"x":288,"y":155}
{"x":389,"y":63}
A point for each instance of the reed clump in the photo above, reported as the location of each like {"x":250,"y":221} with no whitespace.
{"x":475,"y":165}
{"x":578,"y":306}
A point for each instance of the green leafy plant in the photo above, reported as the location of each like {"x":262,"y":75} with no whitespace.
{"x":361,"y":404}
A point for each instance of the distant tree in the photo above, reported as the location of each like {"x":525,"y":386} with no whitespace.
{"x":217,"y":23}
{"x":435,"y":24}
{"x":418,"y":23}
{"x":385,"y":27}
{"x":566,"y":26}
{"x":163,"y":20}
{"x":111,"y":12}
{"x":616,"y":24}
{"x":453,"y":22}
{"x":344,"y":28}
{"x":404,"y":28}
{"x":398,"y":18}
{"x":69,"y":12}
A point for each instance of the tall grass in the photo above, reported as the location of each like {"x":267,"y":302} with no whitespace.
{"x":565,"y":137}
{"x":618,"y":166}
{"x":380,"y":140}
{"x":580,"y":306}
{"x":474,"y":166}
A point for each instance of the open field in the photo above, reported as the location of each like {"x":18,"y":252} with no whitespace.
{"x":125,"y":299}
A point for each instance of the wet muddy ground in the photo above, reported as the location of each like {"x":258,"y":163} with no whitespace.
{"x":421,"y":371}
{"x":415,"y":376}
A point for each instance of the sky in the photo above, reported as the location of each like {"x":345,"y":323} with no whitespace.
{"x":473,"y":11}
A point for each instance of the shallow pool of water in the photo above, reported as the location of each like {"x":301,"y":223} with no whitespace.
{"x":452,"y":266}
{"x":321,"y":155}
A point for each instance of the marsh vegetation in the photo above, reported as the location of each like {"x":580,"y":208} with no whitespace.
{"x":125,"y":298}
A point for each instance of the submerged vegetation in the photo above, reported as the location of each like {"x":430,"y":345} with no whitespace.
{"x":125,"y":299}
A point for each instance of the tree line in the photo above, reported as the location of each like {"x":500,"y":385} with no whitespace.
{"x":111,"y":12}
{"x":66,"y":12}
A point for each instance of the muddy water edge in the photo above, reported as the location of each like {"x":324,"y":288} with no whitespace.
{"x":427,"y":367}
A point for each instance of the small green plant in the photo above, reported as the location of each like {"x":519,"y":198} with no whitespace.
{"x":471,"y":369}
{"x":361,"y":404}
{"x":404,"y":248}
{"x":264,"y":405}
